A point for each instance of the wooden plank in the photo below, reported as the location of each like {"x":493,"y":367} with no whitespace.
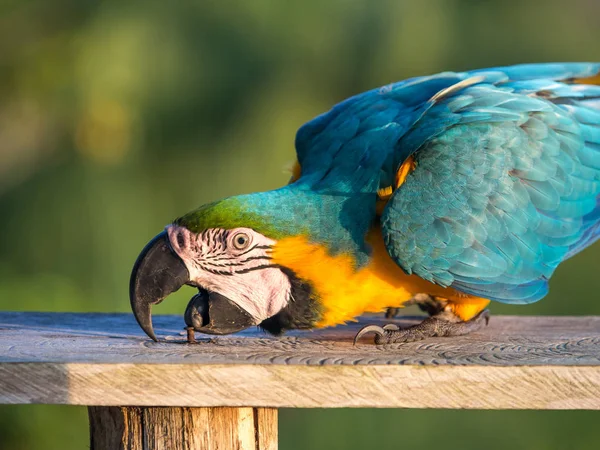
{"x":134,"y":428}
{"x":104,"y":359}
{"x":116,"y":338}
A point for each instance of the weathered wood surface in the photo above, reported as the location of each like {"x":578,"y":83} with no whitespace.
{"x":105,"y":359}
{"x":136,"y":428}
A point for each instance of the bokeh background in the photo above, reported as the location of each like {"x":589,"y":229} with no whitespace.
{"x":116,"y":117}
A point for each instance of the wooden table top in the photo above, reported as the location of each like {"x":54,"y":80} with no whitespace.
{"x":105,"y":359}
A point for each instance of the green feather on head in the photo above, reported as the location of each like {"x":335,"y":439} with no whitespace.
{"x":237,"y":212}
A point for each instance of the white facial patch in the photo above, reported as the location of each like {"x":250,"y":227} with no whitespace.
{"x":236,"y":264}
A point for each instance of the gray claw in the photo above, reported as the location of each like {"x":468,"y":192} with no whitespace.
{"x":369,"y":329}
{"x":486,"y":315}
{"x":391,"y":327}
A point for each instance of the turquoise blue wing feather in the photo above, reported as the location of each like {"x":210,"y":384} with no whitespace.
{"x":347,"y":147}
{"x":507,"y":183}
{"x":357,"y":140}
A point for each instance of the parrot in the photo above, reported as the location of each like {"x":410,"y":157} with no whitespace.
{"x":448,"y":191}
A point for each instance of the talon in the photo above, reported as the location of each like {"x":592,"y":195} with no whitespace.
{"x":486,"y":315}
{"x":391,"y":327}
{"x":369,"y":329}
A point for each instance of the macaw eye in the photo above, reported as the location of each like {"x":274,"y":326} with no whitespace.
{"x":241,"y":241}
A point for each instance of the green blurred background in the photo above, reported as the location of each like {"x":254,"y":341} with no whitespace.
{"x":116,"y":117}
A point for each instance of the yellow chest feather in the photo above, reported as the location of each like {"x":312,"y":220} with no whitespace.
{"x":345,"y":292}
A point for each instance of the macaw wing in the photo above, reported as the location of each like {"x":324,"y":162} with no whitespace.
{"x":363,"y":131}
{"x":506,"y":184}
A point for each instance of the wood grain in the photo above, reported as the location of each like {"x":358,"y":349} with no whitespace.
{"x":104,"y":359}
{"x":115,"y":428}
{"x":134,"y":428}
{"x":266,"y":428}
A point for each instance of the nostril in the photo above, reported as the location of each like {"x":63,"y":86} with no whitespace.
{"x":180,"y":239}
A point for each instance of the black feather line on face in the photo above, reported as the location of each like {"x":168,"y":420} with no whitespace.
{"x":227,"y":258}
{"x":214,"y":271}
{"x":211,"y":263}
{"x":252,"y":269}
{"x":302,"y":312}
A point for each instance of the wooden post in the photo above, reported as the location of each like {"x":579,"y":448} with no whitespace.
{"x":150,"y":428}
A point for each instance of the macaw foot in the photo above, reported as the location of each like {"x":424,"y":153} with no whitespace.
{"x":442,"y":324}
{"x":426,"y":303}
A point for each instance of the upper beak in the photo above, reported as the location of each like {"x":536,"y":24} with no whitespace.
{"x":157,"y":273}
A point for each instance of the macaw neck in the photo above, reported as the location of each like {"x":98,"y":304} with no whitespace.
{"x":338,"y":220}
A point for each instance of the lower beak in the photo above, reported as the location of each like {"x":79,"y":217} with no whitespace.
{"x":213,"y":313}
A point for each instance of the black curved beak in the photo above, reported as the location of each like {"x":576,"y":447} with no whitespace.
{"x":157,"y":273}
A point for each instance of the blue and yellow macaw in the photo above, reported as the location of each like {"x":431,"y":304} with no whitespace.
{"x":467,"y":187}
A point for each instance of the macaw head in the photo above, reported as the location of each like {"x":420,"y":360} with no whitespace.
{"x":227,"y":253}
